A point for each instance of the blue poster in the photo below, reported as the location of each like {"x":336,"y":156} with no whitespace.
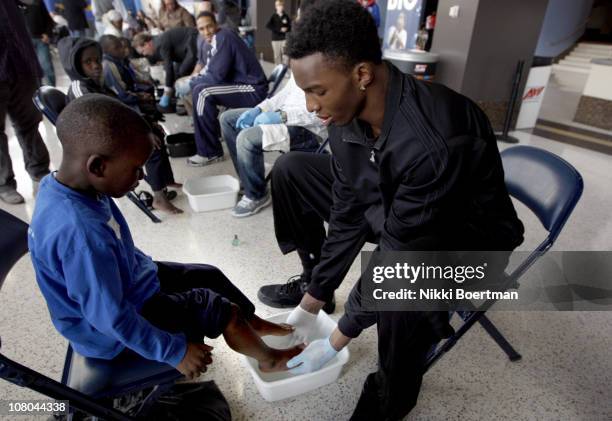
{"x":402,"y":24}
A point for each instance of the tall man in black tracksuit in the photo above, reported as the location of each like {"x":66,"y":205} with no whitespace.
{"x":414,"y":166}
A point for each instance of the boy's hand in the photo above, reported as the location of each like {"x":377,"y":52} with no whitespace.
{"x":197,"y":357}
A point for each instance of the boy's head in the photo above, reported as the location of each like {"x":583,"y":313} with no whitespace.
{"x":334,"y":50}
{"x":143,"y":43}
{"x":112,"y":46}
{"x":89,"y":63}
{"x":207,"y":25}
{"x":280,"y":6}
{"x":105,"y":143}
{"x":81,"y":58}
{"x":127,"y":47}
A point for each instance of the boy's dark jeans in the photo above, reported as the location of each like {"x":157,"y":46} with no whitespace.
{"x":194,"y":299}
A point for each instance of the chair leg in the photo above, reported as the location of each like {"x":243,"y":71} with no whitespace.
{"x":499,"y":338}
{"x":143,"y":207}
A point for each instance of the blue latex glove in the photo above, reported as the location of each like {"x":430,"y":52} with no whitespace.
{"x":164,"y":101}
{"x":272,"y":117}
{"x":247,"y":118}
{"x":315,"y":356}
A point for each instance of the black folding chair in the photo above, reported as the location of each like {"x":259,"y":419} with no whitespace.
{"x":51,"y":101}
{"x":550,"y":187}
{"x":275,"y":78}
{"x":90,"y":385}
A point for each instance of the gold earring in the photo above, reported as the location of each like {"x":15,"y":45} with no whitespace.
{"x":362,"y":88}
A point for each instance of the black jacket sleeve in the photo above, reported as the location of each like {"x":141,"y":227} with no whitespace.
{"x":347,"y":233}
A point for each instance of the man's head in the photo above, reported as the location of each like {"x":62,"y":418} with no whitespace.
{"x":89,"y":63}
{"x":207,"y":6}
{"x":400,"y":23}
{"x":105,"y":143}
{"x":115,"y":18}
{"x":112,"y":46}
{"x":207,"y":25}
{"x":334,"y":50}
{"x":170,"y":5}
{"x":280,"y":6}
{"x":143,"y":43}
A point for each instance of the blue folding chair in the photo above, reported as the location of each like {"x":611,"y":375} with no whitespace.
{"x":550,"y":187}
{"x":275,"y":78}
{"x":51,"y":101}
{"x":89,"y":384}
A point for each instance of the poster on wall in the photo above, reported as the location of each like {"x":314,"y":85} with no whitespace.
{"x":402,"y":24}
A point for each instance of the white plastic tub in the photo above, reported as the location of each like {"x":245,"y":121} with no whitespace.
{"x":283,"y":385}
{"x":212,"y":192}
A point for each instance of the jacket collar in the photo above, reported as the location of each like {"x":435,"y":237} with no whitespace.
{"x":357,"y":131}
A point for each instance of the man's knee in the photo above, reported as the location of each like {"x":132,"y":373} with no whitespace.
{"x":249,"y":140}
{"x":286,"y":166}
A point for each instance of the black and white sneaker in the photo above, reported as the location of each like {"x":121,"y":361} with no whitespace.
{"x":289,"y":294}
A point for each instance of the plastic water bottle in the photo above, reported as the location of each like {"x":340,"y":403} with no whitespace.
{"x":235,"y":241}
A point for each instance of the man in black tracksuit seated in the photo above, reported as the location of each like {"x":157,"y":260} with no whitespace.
{"x":82,"y":61}
{"x":414,"y":166}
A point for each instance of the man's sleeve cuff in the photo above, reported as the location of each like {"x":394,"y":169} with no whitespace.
{"x":348,"y":327}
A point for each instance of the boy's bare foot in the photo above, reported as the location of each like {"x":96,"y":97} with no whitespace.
{"x":278,"y":361}
{"x":264,"y":328}
{"x":160,"y":202}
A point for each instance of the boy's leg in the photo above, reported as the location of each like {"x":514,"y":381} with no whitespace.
{"x":177,"y":277}
{"x":302,"y":139}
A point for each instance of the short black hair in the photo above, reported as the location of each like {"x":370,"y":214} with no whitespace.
{"x":339,"y":29}
{"x":207,"y":15}
{"x":107,"y":42}
{"x":96,"y":123}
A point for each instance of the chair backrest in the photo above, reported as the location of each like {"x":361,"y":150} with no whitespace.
{"x":276,"y":77}
{"x":50,"y":101}
{"x":545,"y":183}
{"x":13,"y":242}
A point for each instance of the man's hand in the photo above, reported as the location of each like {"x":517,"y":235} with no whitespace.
{"x":272,"y":117}
{"x":197,"y":357}
{"x":164,"y":101}
{"x":247,"y":118}
{"x":304,"y":322}
{"x":45,"y":38}
{"x":315,"y":356}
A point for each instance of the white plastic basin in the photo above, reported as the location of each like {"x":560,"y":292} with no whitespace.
{"x":283,"y":385}
{"x":212,"y":192}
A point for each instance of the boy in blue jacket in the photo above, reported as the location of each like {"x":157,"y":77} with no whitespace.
{"x":232,"y":78}
{"x":106,"y":296}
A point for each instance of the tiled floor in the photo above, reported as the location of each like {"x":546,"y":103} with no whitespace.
{"x":565,"y":373}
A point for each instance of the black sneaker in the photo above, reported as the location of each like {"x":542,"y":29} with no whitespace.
{"x":289,"y":294}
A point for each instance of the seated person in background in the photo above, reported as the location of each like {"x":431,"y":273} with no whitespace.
{"x":138,"y":66}
{"x":282,"y":120}
{"x":120,"y":79}
{"x":232,"y":78}
{"x":182,"y":87}
{"x":113,"y":23}
{"x":82,"y":61}
{"x":173,"y":15}
{"x":105,"y":295}
{"x":177,"y":49}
